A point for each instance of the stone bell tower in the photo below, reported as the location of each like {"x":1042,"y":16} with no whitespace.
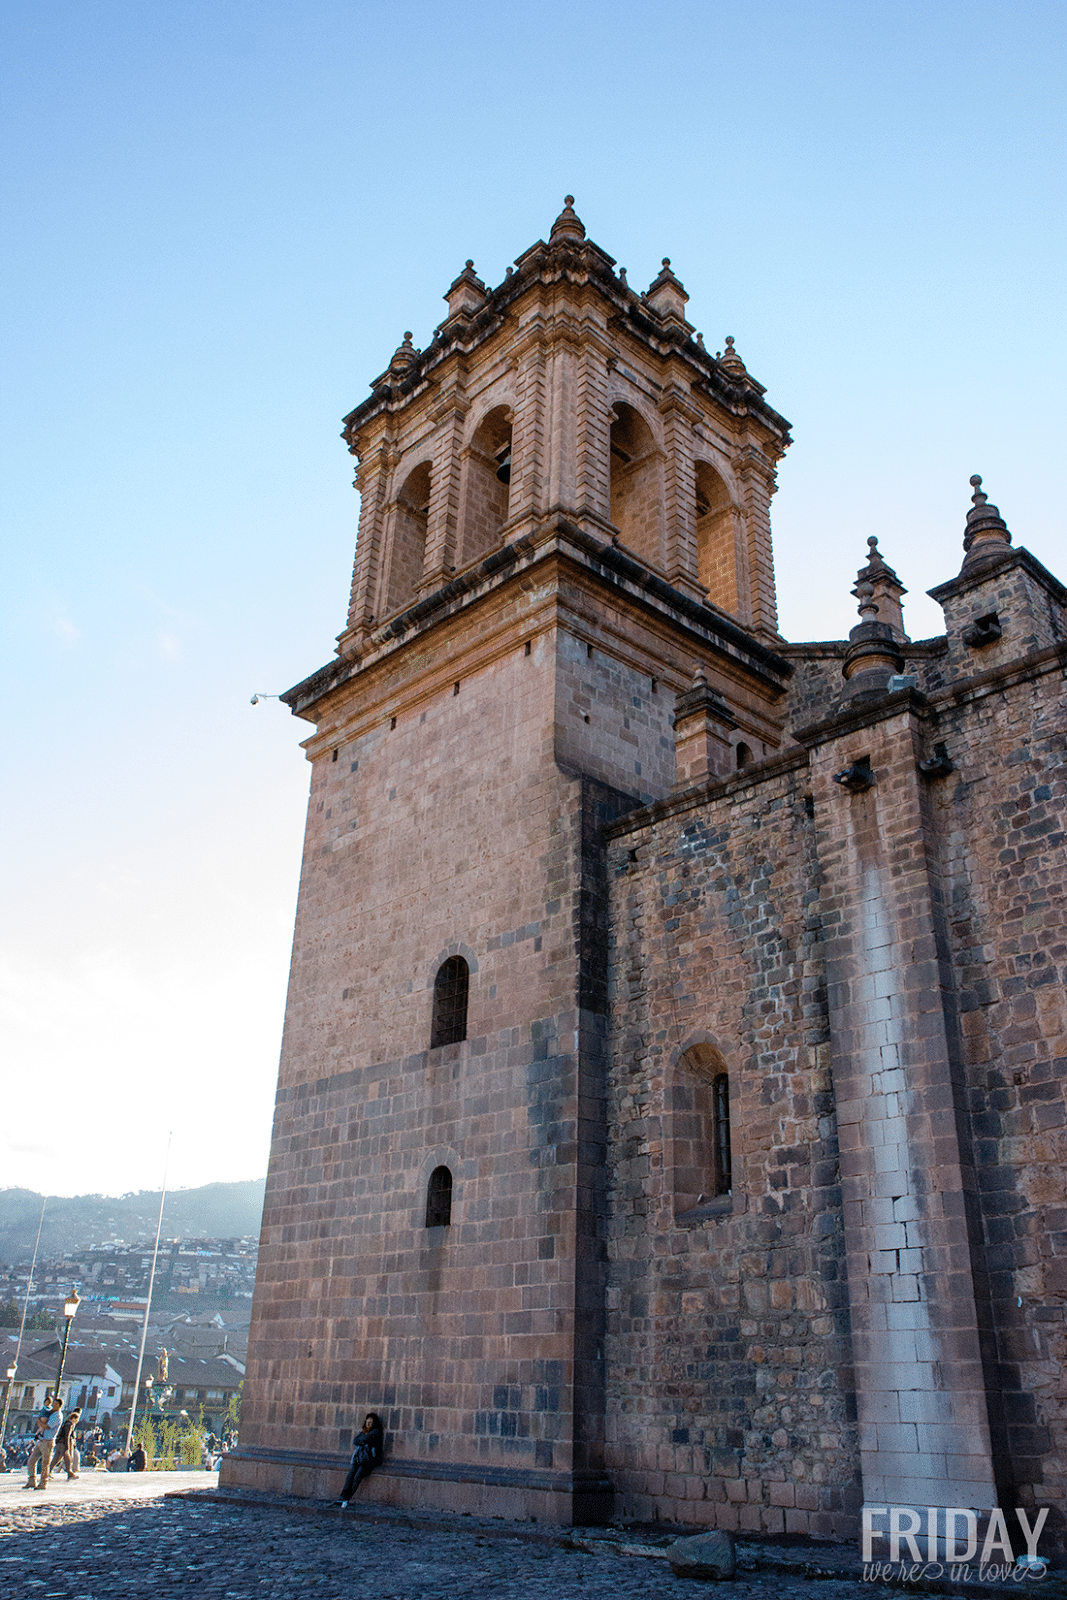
{"x":564,"y":525}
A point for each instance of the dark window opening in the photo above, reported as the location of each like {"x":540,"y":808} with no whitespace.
{"x":450,"y":990}
{"x":698,"y":1103}
{"x":744,"y":756}
{"x":439,"y":1198}
{"x":720,"y":1094}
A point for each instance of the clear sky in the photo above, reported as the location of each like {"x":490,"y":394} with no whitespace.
{"x":220,"y":217}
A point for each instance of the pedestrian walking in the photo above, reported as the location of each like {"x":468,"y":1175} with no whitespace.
{"x":66,"y":1449}
{"x":49,"y":1424}
{"x":366,"y":1455}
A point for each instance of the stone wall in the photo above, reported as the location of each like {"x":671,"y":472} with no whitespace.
{"x":729,"y":1366}
{"x":1000,"y":822}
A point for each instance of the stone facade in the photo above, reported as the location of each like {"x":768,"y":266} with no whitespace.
{"x":752,"y":1124}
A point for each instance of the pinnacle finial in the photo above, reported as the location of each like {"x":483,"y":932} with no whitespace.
{"x":404,"y":354}
{"x":879,"y":591}
{"x":985,"y":530}
{"x":730,"y":358}
{"x":567,"y":225}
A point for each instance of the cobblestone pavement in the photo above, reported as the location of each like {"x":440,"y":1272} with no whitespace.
{"x":117,"y":1539}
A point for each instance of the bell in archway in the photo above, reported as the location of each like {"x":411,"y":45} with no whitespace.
{"x":503,"y":464}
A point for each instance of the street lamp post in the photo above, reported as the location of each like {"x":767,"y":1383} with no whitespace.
{"x":11,"y":1371}
{"x":70,"y":1306}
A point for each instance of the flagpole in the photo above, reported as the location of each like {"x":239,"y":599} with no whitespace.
{"x":148,"y":1303}
{"x":22,"y":1325}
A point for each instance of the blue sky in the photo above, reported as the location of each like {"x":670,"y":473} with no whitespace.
{"x":219,"y":220}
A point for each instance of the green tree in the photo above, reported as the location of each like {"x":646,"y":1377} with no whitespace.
{"x":145,"y":1435}
{"x":190,"y":1443}
{"x":231,"y":1418}
{"x":170,"y":1431}
{"x":10,"y":1315}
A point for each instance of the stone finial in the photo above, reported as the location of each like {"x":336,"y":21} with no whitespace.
{"x":466,"y":293}
{"x":878,"y":580}
{"x":667,"y":297}
{"x":986,"y":533}
{"x":873,"y":654}
{"x":730,"y":358}
{"x":404,"y":355}
{"x":864,"y":592}
{"x":568,"y":225}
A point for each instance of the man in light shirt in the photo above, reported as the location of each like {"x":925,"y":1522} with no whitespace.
{"x":41,"y":1454}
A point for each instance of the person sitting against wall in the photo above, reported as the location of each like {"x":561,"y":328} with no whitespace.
{"x":366,"y":1455}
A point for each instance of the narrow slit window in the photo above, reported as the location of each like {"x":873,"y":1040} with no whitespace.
{"x":450,"y":990}
{"x":720,"y":1100}
{"x":439,"y":1198}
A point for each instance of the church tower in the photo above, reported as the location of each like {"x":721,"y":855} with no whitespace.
{"x":564,"y":527}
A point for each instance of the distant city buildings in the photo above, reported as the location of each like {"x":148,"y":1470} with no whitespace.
{"x":201,"y":1305}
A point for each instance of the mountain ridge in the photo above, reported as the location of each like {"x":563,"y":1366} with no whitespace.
{"x":74,"y":1222}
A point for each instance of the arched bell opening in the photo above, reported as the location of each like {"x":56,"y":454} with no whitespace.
{"x":716,"y":525}
{"x":635,"y":473}
{"x":409,"y":537}
{"x":488,"y":485}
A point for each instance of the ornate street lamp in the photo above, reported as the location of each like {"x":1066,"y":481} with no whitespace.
{"x":70,"y":1306}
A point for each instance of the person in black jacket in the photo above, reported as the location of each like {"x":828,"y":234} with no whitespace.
{"x":66,"y":1446}
{"x":366,"y":1455}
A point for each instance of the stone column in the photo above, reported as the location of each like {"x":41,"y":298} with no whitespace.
{"x":680,"y":553}
{"x":442,"y":523}
{"x":755,"y":573}
{"x":528,"y":432}
{"x":372,"y":481}
{"x":593,"y":432}
{"x":906,"y":1173}
{"x":560,"y":432}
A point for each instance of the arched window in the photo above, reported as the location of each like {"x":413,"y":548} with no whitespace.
{"x":409,"y":537}
{"x":488,"y":481}
{"x":635,"y":485}
{"x":439,"y":1198}
{"x":716,"y":540}
{"x":450,"y":989}
{"x":701,"y":1149}
{"x":744,"y":756}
